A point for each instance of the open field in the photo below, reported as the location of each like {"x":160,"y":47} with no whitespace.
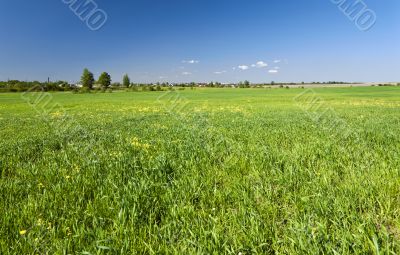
{"x":342,"y":85}
{"x":204,"y":171}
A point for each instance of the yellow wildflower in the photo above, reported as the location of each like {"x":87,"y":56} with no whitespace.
{"x":22,"y":232}
{"x":57,"y":114}
{"x":136,"y":143}
{"x":39,"y":222}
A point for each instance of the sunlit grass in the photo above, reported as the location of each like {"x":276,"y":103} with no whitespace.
{"x":236,"y":171}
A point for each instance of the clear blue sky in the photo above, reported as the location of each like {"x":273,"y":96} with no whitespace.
{"x":150,"y":40}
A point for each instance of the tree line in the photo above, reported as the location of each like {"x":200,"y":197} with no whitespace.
{"x":104,"y":83}
{"x":87,"y":83}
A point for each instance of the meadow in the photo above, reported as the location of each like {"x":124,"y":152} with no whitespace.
{"x":203,"y":171}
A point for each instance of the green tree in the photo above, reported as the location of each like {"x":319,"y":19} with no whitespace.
{"x":105,"y":80}
{"x":87,"y":79}
{"x":126,"y":81}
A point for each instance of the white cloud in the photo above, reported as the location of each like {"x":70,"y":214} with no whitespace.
{"x":261,"y":64}
{"x":190,"y":61}
{"x":277,"y":68}
{"x":277,"y":61}
{"x":186,"y":73}
{"x":253,"y":65}
{"x":273,"y":71}
{"x":219,"y":72}
{"x":243,"y":67}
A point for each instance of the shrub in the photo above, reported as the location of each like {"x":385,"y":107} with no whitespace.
{"x":84,"y":90}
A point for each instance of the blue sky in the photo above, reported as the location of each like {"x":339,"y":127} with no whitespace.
{"x":200,"y":40}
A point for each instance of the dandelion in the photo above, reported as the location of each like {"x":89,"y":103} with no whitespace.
{"x":22,"y":232}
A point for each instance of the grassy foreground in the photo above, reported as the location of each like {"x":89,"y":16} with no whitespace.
{"x":205,"y":171}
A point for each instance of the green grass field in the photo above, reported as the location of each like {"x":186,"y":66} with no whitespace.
{"x":204,"y":171}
